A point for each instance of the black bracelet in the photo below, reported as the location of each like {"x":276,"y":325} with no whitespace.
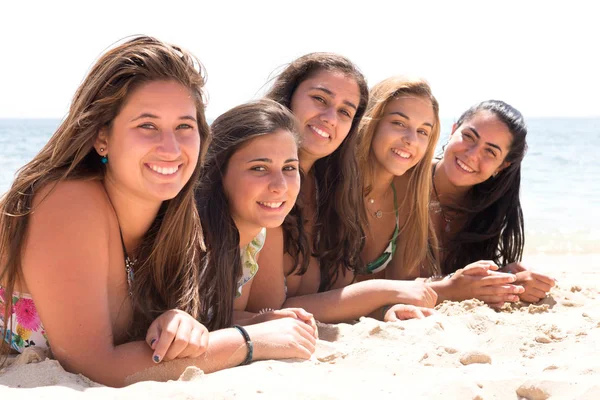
{"x":249,"y":344}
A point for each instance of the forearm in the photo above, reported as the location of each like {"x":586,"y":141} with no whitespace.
{"x":132,"y":362}
{"x":348,"y":303}
{"x":444,"y":290}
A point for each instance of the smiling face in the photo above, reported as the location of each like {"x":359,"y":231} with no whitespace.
{"x":262,"y":181}
{"x":476,"y":150}
{"x":153,"y":143}
{"x":325,"y":105}
{"x":402,"y":135}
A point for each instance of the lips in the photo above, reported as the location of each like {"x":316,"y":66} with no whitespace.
{"x":464,"y":167}
{"x":165,"y":170}
{"x":401,"y":153}
{"x":272,"y":205}
{"x":319,"y":132}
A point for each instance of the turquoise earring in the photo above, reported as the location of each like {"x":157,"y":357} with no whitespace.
{"x":103,"y":159}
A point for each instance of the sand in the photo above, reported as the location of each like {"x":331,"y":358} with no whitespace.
{"x":465,"y":351}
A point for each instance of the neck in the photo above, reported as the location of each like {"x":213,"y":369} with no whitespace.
{"x":448,"y":193}
{"x":306,"y":161}
{"x":135,"y":215}
{"x":382,"y":180}
{"x":247,"y":233}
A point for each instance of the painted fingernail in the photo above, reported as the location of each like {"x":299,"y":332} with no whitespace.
{"x":156,"y":358}
{"x":152,"y":342}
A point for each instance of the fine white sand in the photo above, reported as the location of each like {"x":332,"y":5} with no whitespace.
{"x":465,"y":351}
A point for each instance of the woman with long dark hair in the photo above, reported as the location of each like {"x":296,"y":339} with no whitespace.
{"x":100,"y":238}
{"x":311,"y":261}
{"x":249,"y":183}
{"x":476,"y":208}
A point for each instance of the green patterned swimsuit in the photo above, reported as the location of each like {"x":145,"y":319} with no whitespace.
{"x":384,"y":259}
{"x":249,"y":263}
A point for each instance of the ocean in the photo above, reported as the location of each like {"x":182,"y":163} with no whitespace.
{"x":560,"y":188}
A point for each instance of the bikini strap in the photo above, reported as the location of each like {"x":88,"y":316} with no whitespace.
{"x":129,"y":264}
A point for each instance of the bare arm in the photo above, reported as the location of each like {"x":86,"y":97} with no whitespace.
{"x":362,"y":298}
{"x":66,"y":269}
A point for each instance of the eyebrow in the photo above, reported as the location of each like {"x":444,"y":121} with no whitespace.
{"x":148,"y":115}
{"x":406,"y":116}
{"x":329,"y":92}
{"x":268,"y":160}
{"x":479,"y":137}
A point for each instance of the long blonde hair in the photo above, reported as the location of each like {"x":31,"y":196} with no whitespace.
{"x":167,"y":274}
{"x":416,"y":244}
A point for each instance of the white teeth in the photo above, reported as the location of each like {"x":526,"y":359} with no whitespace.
{"x":164,"y":171}
{"x":401,"y":153}
{"x":320,"y":132}
{"x":464,"y":166}
{"x":270,"y":205}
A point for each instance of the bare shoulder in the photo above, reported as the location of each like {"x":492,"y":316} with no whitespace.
{"x":67,"y":216}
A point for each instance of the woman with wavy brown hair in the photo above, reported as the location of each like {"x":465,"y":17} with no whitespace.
{"x":311,"y":262}
{"x":92,"y":261}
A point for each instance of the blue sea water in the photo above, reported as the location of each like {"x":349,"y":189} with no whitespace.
{"x":560,"y":190}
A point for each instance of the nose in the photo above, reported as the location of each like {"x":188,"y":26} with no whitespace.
{"x":278,"y":183}
{"x":169,"y":144}
{"x":329,"y":116}
{"x":472,"y":152}
{"x":410,"y":136}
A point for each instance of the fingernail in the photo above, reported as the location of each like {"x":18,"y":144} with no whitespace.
{"x":152,"y":342}
{"x":156,"y":358}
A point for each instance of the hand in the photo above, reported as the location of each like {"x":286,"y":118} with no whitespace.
{"x":297,"y":313}
{"x":283,"y":338}
{"x":536,"y":285}
{"x":176,"y":334}
{"x":480,"y":280}
{"x":400,"y":312}
{"x":513,"y":268}
{"x":416,"y":293}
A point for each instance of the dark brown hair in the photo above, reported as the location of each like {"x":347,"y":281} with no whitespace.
{"x":167,"y":273}
{"x":221,"y":264}
{"x":494,"y":229}
{"x":338,"y":238}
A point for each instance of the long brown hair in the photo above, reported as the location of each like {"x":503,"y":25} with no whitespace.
{"x":167,"y":274}
{"x":413,"y":243}
{"x":338,"y":238}
{"x":221,"y":263}
{"x":494,"y":229}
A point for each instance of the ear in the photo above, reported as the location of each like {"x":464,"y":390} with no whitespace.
{"x":101,"y":142}
{"x":501,"y":167}
{"x":454,"y":128}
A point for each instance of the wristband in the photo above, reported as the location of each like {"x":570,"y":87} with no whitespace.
{"x":249,"y":344}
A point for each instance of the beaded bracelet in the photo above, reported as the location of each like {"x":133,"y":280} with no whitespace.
{"x":249,"y":344}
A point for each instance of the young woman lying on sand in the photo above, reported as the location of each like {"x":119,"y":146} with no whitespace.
{"x":328,"y":95}
{"x":91,"y":232}
{"x":398,"y":135}
{"x":250,"y":182}
{"x":476,"y":208}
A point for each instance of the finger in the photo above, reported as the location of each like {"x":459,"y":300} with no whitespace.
{"x":477,"y":270}
{"x":197,"y":344}
{"x":304,"y":348}
{"x":153,"y":333}
{"x":390,"y":316}
{"x":541,"y":285}
{"x":181,"y":340}
{"x":504,"y":298}
{"x":500,"y":290}
{"x":415,"y":313}
{"x":286,"y":313}
{"x":551,"y":282}
{"x":167,"y":335}
{"x":495,"y":305}
{"x":302,"y":314}
{"x":427,"y":312}
{"x":529,"y":298}
{"x":306,"y":328}
{"x":498,"y":279}
{"x":540,"y":294}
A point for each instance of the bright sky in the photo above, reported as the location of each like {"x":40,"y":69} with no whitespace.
{"x":540,"y":56}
